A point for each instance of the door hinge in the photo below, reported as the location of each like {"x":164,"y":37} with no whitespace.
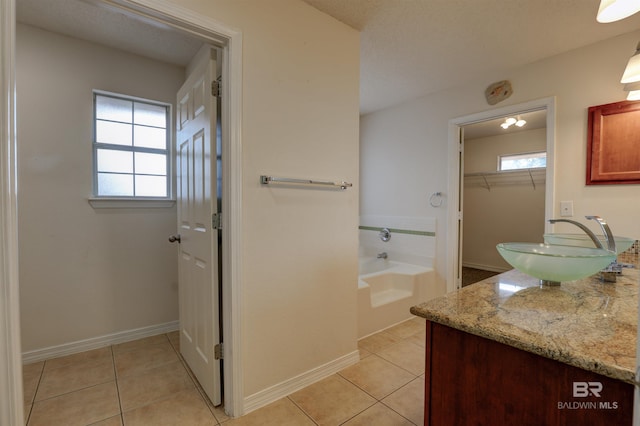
{"x":216,"y":221}
{"x":218,"y":351}
{"x":216,"y":87}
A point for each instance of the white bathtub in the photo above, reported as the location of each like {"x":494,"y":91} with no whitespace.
{"x":386,"y":291}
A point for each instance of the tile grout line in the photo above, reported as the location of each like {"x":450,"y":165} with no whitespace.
{"x":33,"y":401}
{"x":301,"y":410}
{"x":115,"y":377}
{"x":194,"y":381}
{"x":391,"y":408}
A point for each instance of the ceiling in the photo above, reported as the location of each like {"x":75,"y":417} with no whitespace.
{"x":409,"y":48}
{"x":535,"y":120}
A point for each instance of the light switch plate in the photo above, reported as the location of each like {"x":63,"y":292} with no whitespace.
{"x":566,"y":208}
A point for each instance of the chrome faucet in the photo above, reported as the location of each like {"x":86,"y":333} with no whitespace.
{"x":611,"y":242}
{"x":382,"y":255}
{"x":588,"y":231}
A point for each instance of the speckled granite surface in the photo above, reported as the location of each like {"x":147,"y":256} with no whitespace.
{"x":585,"y":323}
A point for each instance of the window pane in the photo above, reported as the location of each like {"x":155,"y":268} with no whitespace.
{"x":150,"y":137}
{"x":523,"y":161}
{"x":110,"y":160}
{"x":151,"y":186}
{"x":151,"y":164}
{"x":150,"y":115}
{"x":113,"y":109}
{"x":113,"y":133}
{"x":115,"y":185}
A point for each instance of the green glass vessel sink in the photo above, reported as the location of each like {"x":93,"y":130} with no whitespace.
{"x":583,"y":240}
{"x":555,"y":263}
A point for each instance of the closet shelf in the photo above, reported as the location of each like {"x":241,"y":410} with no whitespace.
{"x":534,"y":177}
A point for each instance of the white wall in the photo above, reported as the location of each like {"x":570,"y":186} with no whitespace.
{"x":84,"y":273}
{"x":300,"y":119}
{"x":404,"y":154}
{"x":511,"y":211}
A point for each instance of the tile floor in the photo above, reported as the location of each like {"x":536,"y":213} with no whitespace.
{"x":145,"y":382}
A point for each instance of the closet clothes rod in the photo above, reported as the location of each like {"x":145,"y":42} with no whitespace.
{"x":265,"y":180}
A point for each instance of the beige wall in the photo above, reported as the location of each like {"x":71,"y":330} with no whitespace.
{"x":84,"y":273}
{"x":506,"y":212}
{"x":300,"y":119}
{"x":404,"y":148}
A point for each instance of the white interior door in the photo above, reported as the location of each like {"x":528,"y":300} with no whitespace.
{"x":198,"y":253}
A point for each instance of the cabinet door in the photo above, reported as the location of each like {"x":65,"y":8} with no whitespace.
{"x":470,"y":380}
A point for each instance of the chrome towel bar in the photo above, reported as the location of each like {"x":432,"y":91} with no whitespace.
{"x":265,"y":180}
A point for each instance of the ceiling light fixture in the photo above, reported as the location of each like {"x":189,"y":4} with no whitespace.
{"x":614,"y":10}
{"x":632,"y":71}
{"x":511,"y":121}
{"x":634,"y":91}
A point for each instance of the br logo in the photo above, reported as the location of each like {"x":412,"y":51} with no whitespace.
{"x":585,"y":389}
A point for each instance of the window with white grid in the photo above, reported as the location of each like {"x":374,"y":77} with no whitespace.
{"x":131,"y":147}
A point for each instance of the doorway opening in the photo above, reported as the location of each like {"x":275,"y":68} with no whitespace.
{"x":477,"y":174}
{"x":223,"y":38}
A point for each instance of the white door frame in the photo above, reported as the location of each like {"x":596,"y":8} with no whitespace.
{"x":453,"y":237}
{"x":230,"y":41}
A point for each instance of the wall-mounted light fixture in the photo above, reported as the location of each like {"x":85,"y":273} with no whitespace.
{"x":519,"y":122}
{"x":614,"y":10}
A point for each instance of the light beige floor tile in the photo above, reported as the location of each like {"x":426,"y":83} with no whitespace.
{"x":72,"y":377}
{"x":152,"y":385}
{"x":137,"y":344}
{"x":409,"y":401}
{"x":363,"y":353}
{"x":332,"y":401}
{"x":218,"y":411}
{"x":280,"y":413}
{"x":405,"y":329}
{"x":81,"y":408}
{"x":406,"y":355}
{"x":377,"y":342}
{"x":82,"y":357}
{"x":27,"y":412}
{"x":143,"y":358}
{"x":419,"y":339}
{"x":376,"y":376}
{"x":378,"y":415}
{"x":174,"y":339}
{"x":31,"y":374}
{"x":184,"y":408}
{"x":112,"y":421}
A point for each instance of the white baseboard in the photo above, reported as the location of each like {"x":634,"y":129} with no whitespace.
{"x":276,"y":392}
{"x":97,"y":342}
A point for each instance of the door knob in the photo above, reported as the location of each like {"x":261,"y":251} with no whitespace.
{"x":174,"y":238}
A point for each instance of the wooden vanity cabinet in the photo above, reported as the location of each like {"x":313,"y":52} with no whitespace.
{"x":470,"y":380}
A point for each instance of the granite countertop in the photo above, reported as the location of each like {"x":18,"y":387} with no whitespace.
{"x":586,"y":323}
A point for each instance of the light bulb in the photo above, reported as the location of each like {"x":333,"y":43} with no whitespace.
{"x":504,"y":125}
{"x":520,"y":123}
{"x":510,"y":121}
{"x":614,"y":10}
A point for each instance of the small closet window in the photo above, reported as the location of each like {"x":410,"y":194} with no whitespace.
{"x":131,"y":155}
{"x":527,"y":160}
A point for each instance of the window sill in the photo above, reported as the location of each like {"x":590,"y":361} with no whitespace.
{"x":131,"y":203}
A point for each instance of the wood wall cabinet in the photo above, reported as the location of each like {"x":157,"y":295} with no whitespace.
{"x":471,"y":380}
{"x":613,"y":141}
